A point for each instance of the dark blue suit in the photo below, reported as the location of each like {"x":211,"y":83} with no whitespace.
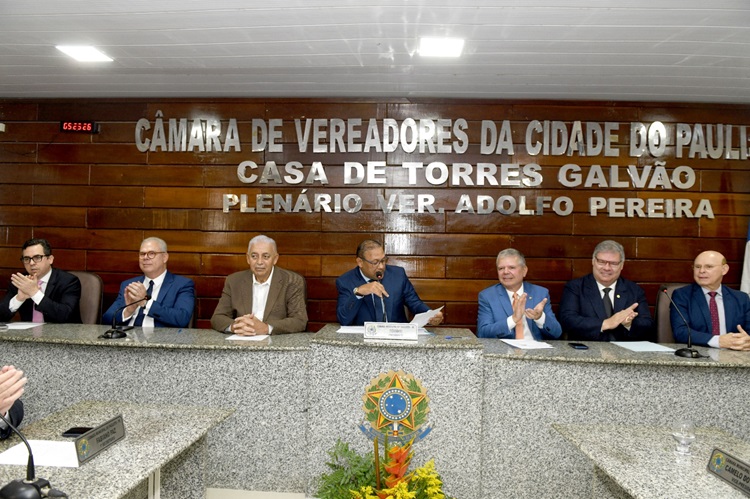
{"x":172,"y":308}
{"x":351,"y":310}
{"x":692,"y":303}
{"x":15,"y":415}
{"x":582,"y":311}
{"x":495,"y":307}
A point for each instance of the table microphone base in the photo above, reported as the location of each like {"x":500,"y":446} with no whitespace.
{"x":115,"y":333}
{"x":688,"y":352}
{"x":23,"y":489}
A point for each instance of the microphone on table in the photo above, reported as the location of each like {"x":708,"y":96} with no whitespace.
{"x":119,"y":331}
{"x":379,"y":277}
{"x":31,"y":487}
{"x":689,"y":351}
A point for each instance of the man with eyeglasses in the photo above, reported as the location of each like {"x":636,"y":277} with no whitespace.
{"x":514,"y":308}
{"x":265,"y":299}
{"x":376,"y":292}
{"x":12,"y":382}
{"x":44,"y":293}
{"x":158,"y":298}
{"x":603,"y":306}
{"x":718,"y":316}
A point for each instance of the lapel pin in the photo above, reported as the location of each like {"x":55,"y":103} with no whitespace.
{"x":618,"y":296}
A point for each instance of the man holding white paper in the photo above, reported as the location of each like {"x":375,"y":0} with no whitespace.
{"x":513,"y":308}
{"x":12,"y":382}
{"x":374,"y":291}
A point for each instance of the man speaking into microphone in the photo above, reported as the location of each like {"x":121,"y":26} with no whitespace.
{"x":376,"y":292}
{"x":158,"y":298}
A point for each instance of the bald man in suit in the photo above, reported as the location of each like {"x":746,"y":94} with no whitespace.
{"x":263,"y":300}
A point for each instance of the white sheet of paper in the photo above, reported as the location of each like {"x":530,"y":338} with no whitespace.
{"x":46,"y":453}
{"x":527,"y":344}
{"x":257,"y":337}
{"x":422,"y":319}
{"x":351,"y":330}
{"x":642,"y":346}
{"x":23,"y":325}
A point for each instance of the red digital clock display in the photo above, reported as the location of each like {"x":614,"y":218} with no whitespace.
{"x":79,"y":126}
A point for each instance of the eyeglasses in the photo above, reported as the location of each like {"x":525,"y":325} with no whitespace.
{"x":376,"y":262}
{"x":149,"y":255}
{"x":36,"y":258}
{"x":604,"y":263}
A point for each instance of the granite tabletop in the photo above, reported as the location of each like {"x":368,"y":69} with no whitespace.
{"x":162,"y":337}
{"x":602,"y":352}
{"x":154,"y":435}
{"x":642,"y":461}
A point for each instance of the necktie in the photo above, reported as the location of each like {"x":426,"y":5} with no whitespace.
{"x":36,"y":315}
{"x":142,"y":310}
{"x":607,"y":303}
{"x":519,"y":325}
{"x":714,"y":309}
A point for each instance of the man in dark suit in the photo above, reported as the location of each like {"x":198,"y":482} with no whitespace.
{"x":373,"y":286}
{"x":515,"y":309}
{"x":158,"y":298}
{"x":263,"y":300}
{"x":719,"y":317}
{"x":44,"y":294}
{"x":12,"y":382}
{"x":602,"y":306}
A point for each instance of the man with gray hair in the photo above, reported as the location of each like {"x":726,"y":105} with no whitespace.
{"x":158,"y":298}
{"x":603,"y":306}
{"x":263,"y":300}
{"x":515,"y":309}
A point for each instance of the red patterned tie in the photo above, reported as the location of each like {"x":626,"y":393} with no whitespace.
{"x":714,"y":309}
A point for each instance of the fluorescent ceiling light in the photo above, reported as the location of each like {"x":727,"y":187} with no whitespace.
{"x":83,"y":53}
{"x":440,"y":47}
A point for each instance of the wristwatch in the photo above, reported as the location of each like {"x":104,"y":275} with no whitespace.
{"x":356,"y":291}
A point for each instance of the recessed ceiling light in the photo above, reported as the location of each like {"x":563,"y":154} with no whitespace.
{"x":440,"y":47}
{"x":84,"y":53}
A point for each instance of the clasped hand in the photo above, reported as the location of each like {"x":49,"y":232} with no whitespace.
{"x":735,"y":341}
{"x":27,"y":285}
{"x":12,"y":383}
{"x":624,"y":317}
{"x":249,"y":325}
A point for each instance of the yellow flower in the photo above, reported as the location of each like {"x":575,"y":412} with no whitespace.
{"x":364,"y":492}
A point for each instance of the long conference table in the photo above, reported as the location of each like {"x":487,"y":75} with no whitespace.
{"x":492,"y":406}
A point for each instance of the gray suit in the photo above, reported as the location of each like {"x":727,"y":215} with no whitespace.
{"x":286,"y":308}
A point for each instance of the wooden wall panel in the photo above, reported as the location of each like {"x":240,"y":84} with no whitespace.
{"x":95,"y":197}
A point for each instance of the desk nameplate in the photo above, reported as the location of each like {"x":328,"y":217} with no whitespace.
{"x":730,"y":469}
{"x":391,"y":331}
{"x":103,"y":436}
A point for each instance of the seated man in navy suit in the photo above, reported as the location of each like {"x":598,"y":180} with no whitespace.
{"x":12,"y":382}
{"x":515,"y":309}
{"x":603,"y":306}
{"x":373,"y":287}
{"x":44,"y":293}
{"x":718,"y":316}
{"x":156,"y":299}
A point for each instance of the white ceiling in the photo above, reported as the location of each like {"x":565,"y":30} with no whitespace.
{"x":625,"y":50}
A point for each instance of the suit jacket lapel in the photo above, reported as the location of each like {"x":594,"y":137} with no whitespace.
{"x":274,"y":290}
{"x":165,"y":285}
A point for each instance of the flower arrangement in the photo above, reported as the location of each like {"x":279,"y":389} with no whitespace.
{"x":354,"y":476}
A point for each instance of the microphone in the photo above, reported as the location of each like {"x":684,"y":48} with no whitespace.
{"x":119,"y":331}
{"x":689,"y":351}
{"x":31,"y":488}
{"x":379,"y":277}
